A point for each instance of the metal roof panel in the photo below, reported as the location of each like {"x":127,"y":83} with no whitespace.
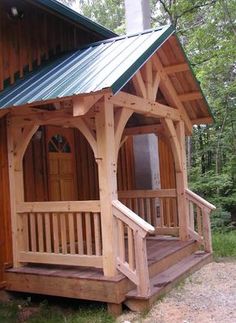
{"x":104,"y":64}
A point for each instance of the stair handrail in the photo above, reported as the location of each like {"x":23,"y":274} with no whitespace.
{"x":203,"y":209}
{"x":198,"y":200}
{"x":136,"y":266}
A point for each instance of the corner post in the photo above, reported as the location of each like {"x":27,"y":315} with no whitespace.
{"x":106,"y":160}
{"x":181,"y":185}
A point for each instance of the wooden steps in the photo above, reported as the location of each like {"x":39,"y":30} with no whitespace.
{"x":167,"y":279}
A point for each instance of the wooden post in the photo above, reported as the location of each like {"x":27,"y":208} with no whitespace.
{"x":106,"y":159}
{"x":181,"y":185}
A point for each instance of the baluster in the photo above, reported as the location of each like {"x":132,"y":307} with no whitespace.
{"x":141,"y":208}
{"x":80,"y":237}
{"x":25,"y":233}
{"x":88,"y":234}
{"x":33,"y":232}
{"x":136,"y":209}
{"x":97,"y":234}
{"x":48,"y":232}
{"x":191,"y":215}
{"x":63,"y":233}
{"x":131,"y":249}
{"x":199,"y":221}
{"x":121,"y":240}
{"x":40,"y":232}
{"x":168,"y":215}
{"x":55,"y":232}
{"x":162,"y":223}
{"x":148,"y":210}
{"x":71,"y":233}
{"x":154,"y":212}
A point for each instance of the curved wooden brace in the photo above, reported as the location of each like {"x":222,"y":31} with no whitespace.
{"x":175,"y":146}
{"x":21,"y":143}
{"x":81,"y":125}
{"x":121,"y":118}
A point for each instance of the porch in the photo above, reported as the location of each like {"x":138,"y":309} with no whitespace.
{"x":59,"y":247}
{"x":169,"y":261}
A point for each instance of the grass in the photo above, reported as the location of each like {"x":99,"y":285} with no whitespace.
{"x":224,"y":244}
{"x":22,"y":311}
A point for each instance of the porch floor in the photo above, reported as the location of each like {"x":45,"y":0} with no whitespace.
{"x":90,"y":283}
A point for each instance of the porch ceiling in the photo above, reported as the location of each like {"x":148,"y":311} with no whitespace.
{"x":108,"y":66}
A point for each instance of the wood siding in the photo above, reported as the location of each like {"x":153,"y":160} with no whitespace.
{"x":40,"y":35}
{"x":5,"y":225}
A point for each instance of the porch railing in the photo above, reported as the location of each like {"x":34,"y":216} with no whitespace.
{"x":199,"y":219}
{"x":157,"y":207}
{"x":131,"y":246}
{"x":67,"y":233}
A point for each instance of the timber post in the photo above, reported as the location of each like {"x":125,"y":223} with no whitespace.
{"x":107,"y":168}
{"x":181,"y":185}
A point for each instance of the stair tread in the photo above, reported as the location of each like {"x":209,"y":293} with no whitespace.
{"x":169,"y":275}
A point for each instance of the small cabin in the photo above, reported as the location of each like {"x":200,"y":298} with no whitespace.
{"x":74,"y":97}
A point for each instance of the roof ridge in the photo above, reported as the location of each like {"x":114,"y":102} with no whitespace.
{"x":105,"y":41}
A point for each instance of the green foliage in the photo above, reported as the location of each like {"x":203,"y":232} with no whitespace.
{"x":224,"y":244}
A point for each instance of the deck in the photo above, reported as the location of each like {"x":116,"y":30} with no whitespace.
{"x":168,"y":260}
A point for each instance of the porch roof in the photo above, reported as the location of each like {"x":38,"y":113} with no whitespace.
{"x":104,"y":65}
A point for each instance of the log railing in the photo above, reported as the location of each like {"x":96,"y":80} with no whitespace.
{"x":67,"y":233}
{"x":131,"y":246}
{"x":157,"y":207}
{"x":199,"y":219}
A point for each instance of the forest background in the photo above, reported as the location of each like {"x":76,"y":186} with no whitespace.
{"x":207,"y":31}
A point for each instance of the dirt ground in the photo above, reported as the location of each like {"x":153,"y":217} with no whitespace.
{"x":207,"y":296}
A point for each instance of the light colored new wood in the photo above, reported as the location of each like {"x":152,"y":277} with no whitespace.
{"x":167,"y":231}
{"x":139,"y":85}
{"x":144,"y":106}
{"x":58,"y":206}
{"x":82,"y":104}
{"x":121,"y":240}
{"x":207,"y":230}
{"x":88,"y":234}
{"x":55,"y":233}
{"x":40,"y":232}
{"x":97,"y":234}
{"x":169,"y":91}
{"x":58,"y":259}
{"x":198,"y":200}
{"x":131,"y":256}
{"x":107,"y":168}
{"x":48,"y":233}
{"x":80,"y":237}
{"x":71,"y":232}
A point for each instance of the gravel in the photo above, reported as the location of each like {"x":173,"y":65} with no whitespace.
{"x":209,"y":295}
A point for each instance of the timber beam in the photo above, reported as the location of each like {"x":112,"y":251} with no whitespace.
{"x":141,"y":130}
{"x":171,"y":94}
{"x":82,"y":104}
{"x":144,"y":106}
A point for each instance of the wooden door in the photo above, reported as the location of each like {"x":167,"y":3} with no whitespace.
{"x":62,"y":179}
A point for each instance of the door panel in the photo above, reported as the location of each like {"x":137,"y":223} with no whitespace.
{"x":62,"y":179}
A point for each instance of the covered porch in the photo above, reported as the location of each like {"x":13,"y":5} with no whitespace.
{"x":124,"y":239}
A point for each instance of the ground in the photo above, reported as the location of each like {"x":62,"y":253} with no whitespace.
{"x":208,"y":296}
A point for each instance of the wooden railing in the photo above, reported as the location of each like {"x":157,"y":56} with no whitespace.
{"x":199,"y":219}
{"x":157,"y":207}
{"x":67,"y":233}
{"x":131,"y":246}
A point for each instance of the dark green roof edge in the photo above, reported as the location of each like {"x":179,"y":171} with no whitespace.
{"x":195,"y":78}
{"x":76,"y":17}
{"x":142,"y":60}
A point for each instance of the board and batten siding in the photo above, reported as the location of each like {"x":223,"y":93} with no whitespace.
{"x":5,"y":222}
{"x":36,"y":38}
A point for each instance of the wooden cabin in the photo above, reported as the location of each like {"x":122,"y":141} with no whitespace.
{"x":72,"y":97}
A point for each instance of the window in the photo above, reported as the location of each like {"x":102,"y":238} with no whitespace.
{"x":58,"y":144}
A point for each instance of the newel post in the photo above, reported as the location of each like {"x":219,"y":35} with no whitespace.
{"x":106,"y":160}
{"x":182,"y":184}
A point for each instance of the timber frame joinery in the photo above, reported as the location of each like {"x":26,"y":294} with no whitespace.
{"x":109,"y":233}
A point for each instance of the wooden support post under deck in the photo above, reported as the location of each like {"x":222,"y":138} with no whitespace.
{"x":181,"y":185}
{"x":106,"y":160}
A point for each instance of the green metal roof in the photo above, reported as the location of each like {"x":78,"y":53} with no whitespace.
{"x":74,"y":16}
{"x":102,"y":65}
